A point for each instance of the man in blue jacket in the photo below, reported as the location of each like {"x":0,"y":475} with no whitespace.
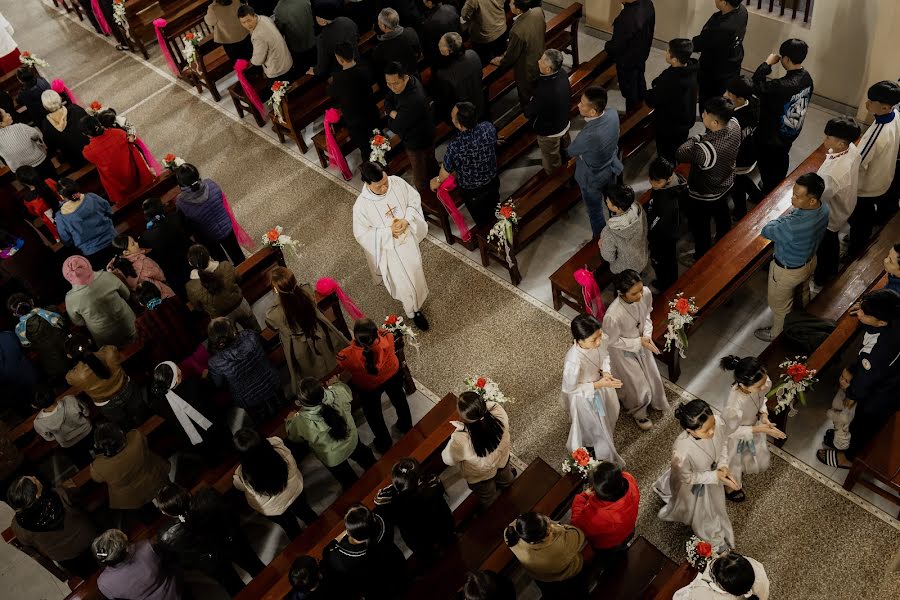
{"x":597,"y":152}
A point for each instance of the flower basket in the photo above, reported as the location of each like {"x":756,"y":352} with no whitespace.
{"x":580,"y":462}
{"x":30,"y":60}
{"x":681,"y":315}
{"x":502,"y":231}
{"x":397,"y":326}
{"x":380,"y":146}
{"x":487,"y":389}
{"x":795,"y":380}
{"x":276,"y":239}
{"x":699,"y":552}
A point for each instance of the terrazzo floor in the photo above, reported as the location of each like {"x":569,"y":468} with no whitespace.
{"x":814,"y":541}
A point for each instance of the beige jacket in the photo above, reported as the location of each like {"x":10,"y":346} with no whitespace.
{"x":476,"y":468}
{"x":273,"y":505}
{"x":485,"y":19}
{"x":269,"y":49}
{"x":227,"y":28}
{"x":556,"y":558}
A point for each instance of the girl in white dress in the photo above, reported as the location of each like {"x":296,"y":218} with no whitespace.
{"x":728,"y":576}
{"x":587,"y":391}
{"x":747,"y":420}
{"x":693,"y":488}
{"x":631,"y":348}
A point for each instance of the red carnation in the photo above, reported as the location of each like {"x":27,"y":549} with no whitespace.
{"x":378,"y":140}
{"x":480,"y":382}
{"x":506,"y":211}
{"x":189,"y":36}
{"x":581,"y":457}
{"x":95,"y":106}
{"x":797,"y":372}
{"x":272,"y":235}
{"x":391,"y":320}
{"x":26,"y":54}
{"x":704,"y":549}
{"x":682,"y":306}
{"x":277,"y":86}
{"x":168,"y":158}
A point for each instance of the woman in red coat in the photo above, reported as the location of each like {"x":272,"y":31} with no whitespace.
{"x":607,"y":511}
{"x":120,"y":164}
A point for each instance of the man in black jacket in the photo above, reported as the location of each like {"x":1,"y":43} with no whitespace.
{"x":457,"y":78}
{"x":351,"y":87}
{"x":673,"y":97}
{"x":440,"y":18}
{"x":409,"y":116}
{"x":663,"y":220}
{"x":396,"y":43}
{"x":783,"y":106}
{"x":630,"y":46}
{"x":549,"y":108}
{"x":334,"y":30}
{"x":746,"y":111}
{"x":721,"y":48}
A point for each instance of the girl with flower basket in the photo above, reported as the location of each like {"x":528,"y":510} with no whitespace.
{"x":747,"y":419}
{"x":587,"y":391}
{"x":725,"y":577}
{"x":627,"y":322}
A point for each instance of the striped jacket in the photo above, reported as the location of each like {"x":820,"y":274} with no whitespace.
{"x":879,"y":148}
{"x":713,"y":157}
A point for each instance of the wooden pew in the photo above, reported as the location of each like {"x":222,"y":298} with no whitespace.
{"x":141,"y":14}
{"x":683,"y":575}
{"x":729,"y":263}
{"x":880,"y":461}
{"x":640,"y":572}
{"x":211,"y":62}
{"x":541,"y":201}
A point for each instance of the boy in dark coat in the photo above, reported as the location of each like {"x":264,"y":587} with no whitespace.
{"x":630,"y":46}
{"x":673,"y":97}
{"x":663,"y":220}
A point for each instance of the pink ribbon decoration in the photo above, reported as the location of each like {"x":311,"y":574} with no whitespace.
{"x":59,"y":86}
{"x":158,"y":25}
{"x":593,"y":301}
{"x":148,"y":156}
{"x":327,"y":286}
{"x":332,"y":116}
{"x":101,"y":20}
{"x":443,"y":194}
{"x":242,"y":237}
{"x":240,"y":65}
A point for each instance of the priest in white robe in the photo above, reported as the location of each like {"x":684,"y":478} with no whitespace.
{"x":389,"y":224}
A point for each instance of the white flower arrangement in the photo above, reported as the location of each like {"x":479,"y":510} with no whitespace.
{"x":275,"y":238}
{"x":580,"y":461}
{"x":30,"y":60}
{"x":279,"y":89}
{"x":380,"y":145}
{"x":502,"y":231}
{"x":699,"y":552}
{"x":119,"y":14}
{"x":681,"y":315}
{"x":191,"y":42}
{"x":170,"y":161}
{"x":397,"y":326}
{"x":795,"y":380}
{"x":487,"y":389}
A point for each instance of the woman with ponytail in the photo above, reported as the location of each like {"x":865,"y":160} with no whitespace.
{"x":202,"y":203}
{"x":415,"y":503}
{"x":239,"y":361}
{"x":326,"y":423}
{"x":375,"y":369}
{"x":132,"y":265}
{"x":481,"y":446}
{"x":310,"y":341}
{"x":365,"y":557}
{"x":693,"y":487}
{"x":550,"y":553}
{"x":747,"y":419}
{"x":729,"y":576}
{"x":100,"y":376}
{"x":213,"y":288}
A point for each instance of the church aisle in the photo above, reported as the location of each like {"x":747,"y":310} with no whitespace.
{"x":814,"y":542}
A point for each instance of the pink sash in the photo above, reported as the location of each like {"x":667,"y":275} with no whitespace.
{"x":242,"y":237}
{"x":101,"y":20}
{"x":332,"y":116}
{"x":443,"y":194}
{"x":148,"y":156}
{"x":59,"y":86}
{"x":158,"y":24}
{"x":327,"y":286}
{"x":593,"y":301}
{"x":240,"y":65}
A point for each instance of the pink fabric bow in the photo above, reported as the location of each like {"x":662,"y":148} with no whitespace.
{"x":101,"y":20}
{"x":335,"y":156}
{"x":77,"y":270}
{"x":158,"y":25}
{"x":443,"y":194}
{"x":240,"y":65}
{"x":148,"y":156}
{"x":242,"y":237}
{"x":59,"y":86}
{"x":593,"y":301}
{"x":327,"y":286}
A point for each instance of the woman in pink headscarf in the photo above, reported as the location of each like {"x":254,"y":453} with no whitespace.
{"x":98,"y":301}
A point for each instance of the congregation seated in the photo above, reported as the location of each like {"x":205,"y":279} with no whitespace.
{"x":271,"y":481}
{"x":133,"y":570}
{"x":23,"y":145}
{"x":49,"y":524}
{"x":85,"y":222}
{"x":550,"y":553}
{"x":222,"y":17}
{"x":40,"y":331}
{"x":213,"y":289}
{"x":98,"y":301}
{"x":61,"y":128}
{"x":134,"y":267}
{"x":66,"y":421}
{"x":121,"y":166}
{"x":132,"y":472}
{"x":203,"y":205}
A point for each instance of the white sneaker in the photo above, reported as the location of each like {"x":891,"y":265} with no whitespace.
{"x":644,"y":424}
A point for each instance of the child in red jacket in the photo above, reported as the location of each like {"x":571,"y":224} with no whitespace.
{"x":607,"y":511}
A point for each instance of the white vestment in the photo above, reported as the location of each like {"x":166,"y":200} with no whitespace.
{"x":396,"y":260}
{"x":703,"y":587}
{"x":593,"y":412}
{"x":635,"y":365}
{"x":748,"y":452}
{"x":691,"y":488}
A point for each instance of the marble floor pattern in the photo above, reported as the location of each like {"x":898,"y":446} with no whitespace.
{"x":815,"y":542}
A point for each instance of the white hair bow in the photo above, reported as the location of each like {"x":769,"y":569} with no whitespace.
{"x":186,"y":414}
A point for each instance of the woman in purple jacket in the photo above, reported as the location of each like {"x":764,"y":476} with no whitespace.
{"x":132,"y":571}
{"x":202,"y":203}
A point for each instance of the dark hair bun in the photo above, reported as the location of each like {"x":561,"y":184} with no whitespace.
{"x":730,"y":362}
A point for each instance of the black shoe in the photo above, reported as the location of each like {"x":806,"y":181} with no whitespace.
{"x":420,"y":321}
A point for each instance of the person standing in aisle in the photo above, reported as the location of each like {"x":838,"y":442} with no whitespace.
{"x":721,"y":48}
{"x":632,"y":37}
